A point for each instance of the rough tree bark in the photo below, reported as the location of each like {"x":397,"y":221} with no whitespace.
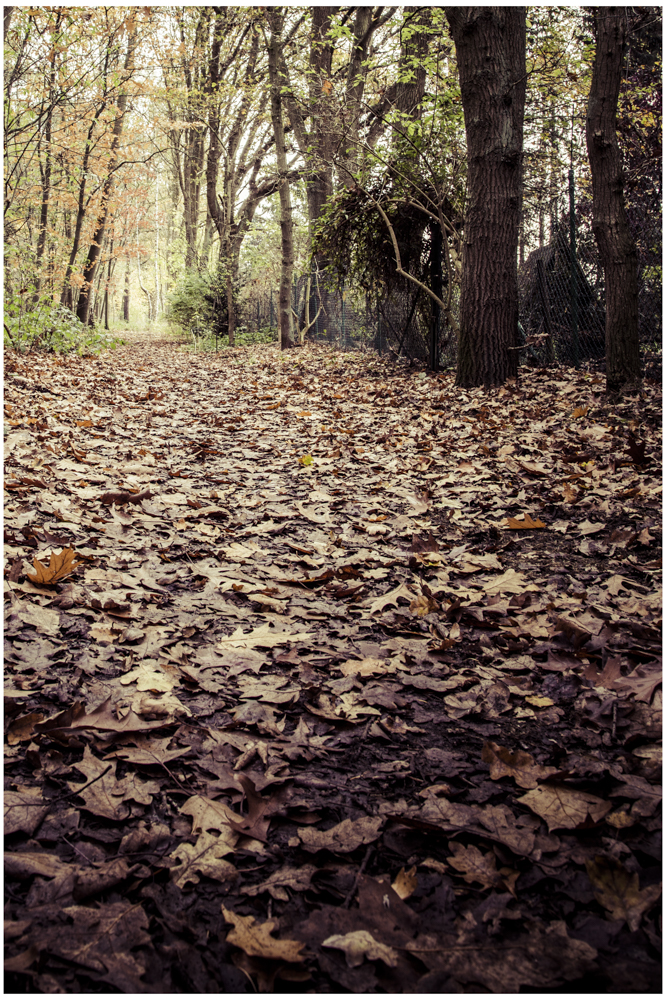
{"x":617,"y":248}
{"x":276,"y":21}
{"x":490,"y":50}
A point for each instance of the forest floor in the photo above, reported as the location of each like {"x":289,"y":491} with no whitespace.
{"x":322,"y":675}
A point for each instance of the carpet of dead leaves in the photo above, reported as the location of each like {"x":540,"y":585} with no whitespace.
{"x":322,"y":675}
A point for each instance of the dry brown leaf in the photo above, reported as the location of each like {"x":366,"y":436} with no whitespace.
{"x":359,"y":945}
{"x":61,"y":564}
{"x":525,"y":523}
{"x":617,"y":890}
{"x":344,"y":837}
{"x":514,"y":764}
{"x":475,"y":866}
{"x":263,"y":636}
{"x":24,"y":810}
{"x":405,"y":882}
{"x":255,"y":939}
{"x":565,"y":808}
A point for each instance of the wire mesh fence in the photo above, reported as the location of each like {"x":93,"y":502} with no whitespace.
{"x":560,"y":286}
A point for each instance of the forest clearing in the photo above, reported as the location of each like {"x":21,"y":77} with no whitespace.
{"x":313,"y":686}
{"x":332,"y":524}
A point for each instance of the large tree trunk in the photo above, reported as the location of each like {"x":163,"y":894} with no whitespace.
{"x":490,"y":50}
{"x":616,"y":245}
{"x":276,"y":21}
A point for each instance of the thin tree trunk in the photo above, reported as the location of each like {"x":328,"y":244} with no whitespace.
{"x":276,"y":21}
{"x":126,"y":293}
{"x":490,"y":50}
{"x":617,"y":248}
{"x":83,"y":305}
{"x":46,"y":180}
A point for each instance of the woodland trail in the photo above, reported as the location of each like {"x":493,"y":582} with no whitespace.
{"x":322,"y":674}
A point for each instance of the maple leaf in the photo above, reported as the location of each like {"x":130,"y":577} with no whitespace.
{"x":617,"y":890}
{"x":61,"y":564}
{"x":565,"y":808}
{"x":517,"y":765}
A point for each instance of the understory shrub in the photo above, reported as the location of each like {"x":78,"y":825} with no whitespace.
{"x":53,"y":329}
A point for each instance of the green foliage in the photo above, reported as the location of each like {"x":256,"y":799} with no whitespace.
{"x":52,"y":329}
{"x":243,"y":338}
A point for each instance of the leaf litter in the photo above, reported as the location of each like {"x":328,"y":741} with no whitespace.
{"x":326,"y":675}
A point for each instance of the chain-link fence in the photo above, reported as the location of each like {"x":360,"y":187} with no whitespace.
{"x":560,"y":285}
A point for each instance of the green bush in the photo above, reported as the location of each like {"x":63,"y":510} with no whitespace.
{"x":193,"y":303}
{"x":53,"y":329}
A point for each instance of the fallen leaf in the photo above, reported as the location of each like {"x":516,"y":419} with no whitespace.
{"x":255,"y":939}
{"x":617,"y":890}
{"x":475,"y":866}
{"x":24,"y":810}
{"x":565,"y":808}
{"x":405,"y":882}
{"x":517,"y":765}
{"x":263,"y":636}
{"x":359,"y":945}
{"x":61,"y":564}
{"x":343,"y":837}
{"x":525,"y":523}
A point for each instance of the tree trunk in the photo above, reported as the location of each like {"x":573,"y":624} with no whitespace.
{"x":83,"y":305}
{"x":616,"y":245}
{"x":46,"y":177}
{"x":126,"y":293}
{"x":490,"y":50}
{"x":276,"y":21}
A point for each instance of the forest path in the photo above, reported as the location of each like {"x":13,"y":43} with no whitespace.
{"x":295,"y":694}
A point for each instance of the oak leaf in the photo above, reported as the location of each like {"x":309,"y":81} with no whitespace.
{"x":255,"y":939}
{"x":475,"y":866}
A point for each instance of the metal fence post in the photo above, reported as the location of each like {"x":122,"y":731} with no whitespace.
{"x":436,"y":285}
{"x":574,"y":265}
{"x":271,"y":310}
{"x":342,"y":294}
{"x":379,"y":329}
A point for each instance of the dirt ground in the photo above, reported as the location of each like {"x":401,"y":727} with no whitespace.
{"x":323,"y":675}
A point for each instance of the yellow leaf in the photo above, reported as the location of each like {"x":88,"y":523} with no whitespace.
{"x":539,"y":702}
{"x":304,"y":413}
{"x":327,"y":86}
{"x":61,"y":564}
{"x":305,"y":460}
{"x":580,"y":411}
{"x":514,"y":523}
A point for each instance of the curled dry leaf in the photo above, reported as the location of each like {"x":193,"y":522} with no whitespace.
{"x":344,"y":837}
{"x":359,"y":945}
{"x":405,"y":882}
